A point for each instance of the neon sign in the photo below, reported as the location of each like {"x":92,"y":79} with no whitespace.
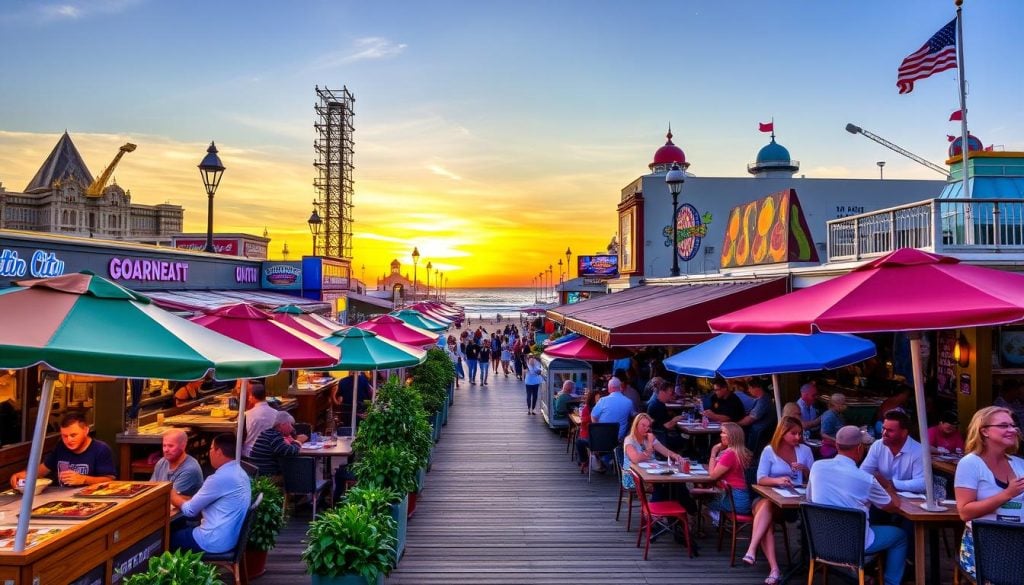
{"x":42,"y":264}
{"x":147,"y":269}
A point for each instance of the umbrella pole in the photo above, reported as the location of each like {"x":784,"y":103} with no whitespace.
{"x":778,"y":397}
{"x":922,"y":423}
{"x":34,"y":457}
{"x":355,"y":396}
{"x":373,"y":388}
{"x":243,"y":397}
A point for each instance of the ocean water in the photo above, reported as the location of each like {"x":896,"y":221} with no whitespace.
{"x":489,"y":302}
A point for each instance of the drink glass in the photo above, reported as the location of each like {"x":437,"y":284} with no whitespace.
{"x":685,"y":468}
{"x":159,"y":419}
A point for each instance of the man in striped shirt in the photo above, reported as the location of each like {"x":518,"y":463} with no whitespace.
{"x":274,"y":443}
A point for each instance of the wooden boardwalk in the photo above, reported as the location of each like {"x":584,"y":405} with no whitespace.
{"x":503,"y":504}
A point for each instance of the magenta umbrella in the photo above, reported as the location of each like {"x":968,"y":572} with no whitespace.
{"x":907,"y":290}
{"x":257,"y":328}
{"x":395,"y":329}
{"x":586,"y":349}
{"x":302,"y":324}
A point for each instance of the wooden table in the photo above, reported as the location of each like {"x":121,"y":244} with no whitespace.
{"x":343,"y":448}
{"x":120,"y":538}
{"x":677,"y":477}
{"x":945,"y":463}
{"x":910,"y":508}
{"x":782,"y":502}
{"x":697,"y":429}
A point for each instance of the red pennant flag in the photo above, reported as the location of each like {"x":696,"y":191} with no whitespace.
{"x":950,"y":138}
{"x":956,"y":116}
{"x":989,"y":147}
{"x":769,"y":127}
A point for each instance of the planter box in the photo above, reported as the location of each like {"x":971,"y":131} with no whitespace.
{"x":451,"y":394}
{"x":444,"y":414}
{"x":346,"y":580}
{"x":400,"y":512}
{"x":437,"y":426}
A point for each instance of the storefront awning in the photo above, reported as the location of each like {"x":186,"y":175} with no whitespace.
{"x":205,"y":300}
{"x":662,"y":315}
{"x":375,"y":301}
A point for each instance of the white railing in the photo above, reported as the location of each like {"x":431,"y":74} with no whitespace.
{"x":937,"y":225}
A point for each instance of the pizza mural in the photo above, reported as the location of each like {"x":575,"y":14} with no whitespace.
{"x":691,"y":228}
{"x":768,"y":231}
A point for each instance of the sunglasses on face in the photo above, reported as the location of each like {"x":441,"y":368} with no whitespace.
{"x":1002,"y":426}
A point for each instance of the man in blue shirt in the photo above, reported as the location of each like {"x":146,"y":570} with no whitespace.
{"x":77,"y":459}
{"x":614,"y":408}
{"x":222,"y":501}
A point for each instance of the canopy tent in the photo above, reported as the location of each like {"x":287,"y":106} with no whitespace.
{"x":906,"y":290}
{"x":84,"y":324}
{"x":732,"y":355}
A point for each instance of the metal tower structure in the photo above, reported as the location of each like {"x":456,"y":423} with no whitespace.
{"x":334,"y":148}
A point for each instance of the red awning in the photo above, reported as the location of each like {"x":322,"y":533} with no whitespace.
{"x":662,"y":315}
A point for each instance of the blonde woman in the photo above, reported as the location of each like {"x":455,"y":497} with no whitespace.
{"x":989,"y":480}
{"x":640,"y":447}
{"x":729,"y":461}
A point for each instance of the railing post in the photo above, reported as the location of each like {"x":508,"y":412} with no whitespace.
{"x":856,"y":239}
{"x":997,"y":227}
{"x":936,"y":226}
{"x":892,"y":231}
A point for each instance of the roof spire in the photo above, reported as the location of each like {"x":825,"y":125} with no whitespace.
{"x":669,"y":135}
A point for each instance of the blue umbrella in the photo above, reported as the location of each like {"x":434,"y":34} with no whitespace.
{"x":731,"y":355}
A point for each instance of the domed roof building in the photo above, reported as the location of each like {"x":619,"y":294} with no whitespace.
{"x":973,"y":145}
{"x":668,"y":154}
{"x":773,"y":161}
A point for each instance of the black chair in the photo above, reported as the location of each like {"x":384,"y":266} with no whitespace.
{"x":835,"y":538}
{"x":604,"y":438}
{"x":996,"y":552}
{"x":619,"y":454}
{"x":300,"y":479}
{"x":235,"y":558}
{"x":303,"y":429}
{"x":249,"y":468}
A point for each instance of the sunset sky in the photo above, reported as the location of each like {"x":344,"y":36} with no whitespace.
{"x":490,"y":135}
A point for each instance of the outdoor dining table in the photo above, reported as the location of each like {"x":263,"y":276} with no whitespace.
{"x":945,"y":463}
{"x":342,"y":448}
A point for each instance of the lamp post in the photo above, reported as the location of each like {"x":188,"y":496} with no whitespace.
{"x":551,"y":278}
{"x":568,"y":253}
{"x":415,"y":262}
{"x":430,"y":266}
{"x":437,"y":283}
{"x":211,"y":170}
{"x":284,"y":252}
{"x":363,"y":276}
{"x":314,"y":226}
{"x":675,"y":178}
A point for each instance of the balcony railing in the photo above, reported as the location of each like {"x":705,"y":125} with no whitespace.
{"x":936,"y":225}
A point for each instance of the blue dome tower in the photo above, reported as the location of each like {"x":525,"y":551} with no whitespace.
{"x":773,"y":161}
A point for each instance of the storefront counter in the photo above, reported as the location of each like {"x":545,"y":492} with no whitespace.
{"x":314,"y":401}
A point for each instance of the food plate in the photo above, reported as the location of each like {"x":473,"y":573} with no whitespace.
{"x":35,"y":536}
{"x":113,"y":489}
{"x":646,"y":465}
{"x":70,"y":510}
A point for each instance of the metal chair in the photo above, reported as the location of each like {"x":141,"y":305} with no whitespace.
{"x":996,"y":552}
{"x":235,"y":558}
{"x":623,"y":491}
{"x":835,"y":538}
{"x":300,"y":479}
{"x":736,"y":522}
{"x":604,"y":437}
{"x":668,"y":513}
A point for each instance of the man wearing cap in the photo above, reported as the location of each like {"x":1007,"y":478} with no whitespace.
{"x":945,"y":437}
{"x":275,"y":443}
{"x":838,"y":482}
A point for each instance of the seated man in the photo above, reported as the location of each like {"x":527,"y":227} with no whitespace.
{"x":897,"y":461}
{"x":663,"y":423}
{"x":177,"y":466}
{"x":223,"y":501}
{"x":808,"y":412}
{"x":725,"y":406}
{"x":760,"y":420}
{"x":275,"y":443}
{"x":838,"y":482}
{"x":945,"y":437}
{"x":259,"y":416}
{"x":78,"y":459}
{"x":615,"y":407}
{"x":342,"y":398}
{"x":564,"y":400}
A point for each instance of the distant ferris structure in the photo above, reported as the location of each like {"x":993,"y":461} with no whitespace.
{"x":334,"y":148}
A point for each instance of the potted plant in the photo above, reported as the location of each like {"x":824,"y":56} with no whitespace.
{"x":176,"y":568}
{"x":431,"y":379}
{"x":267,"y":521}
{"x":394,"y":469}
{"x":349,"y":545}
{"x":396,"y":418}
{"x":384,"y":501}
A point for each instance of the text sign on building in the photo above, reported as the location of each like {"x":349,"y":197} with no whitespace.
{"x":147,"y":269}
{"x":42,"y":264}
{"x":282,"y":275}
{"x":220,"y":245}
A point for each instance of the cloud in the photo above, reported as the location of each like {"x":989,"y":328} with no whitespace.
{"x":441,"y":171}
{"x":73,"y":10}
{"x":61,"y":11}
{"x":364,"y":49}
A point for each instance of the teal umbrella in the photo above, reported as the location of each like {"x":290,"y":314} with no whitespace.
{"x":85,"y":324}
{"x":417,"y":319}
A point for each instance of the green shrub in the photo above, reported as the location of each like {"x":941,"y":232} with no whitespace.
{"x":268,"y":518}
{"x":396,"y":418}
{"x":374,"y":498}
{"x":350,"y":540}
{"x":177,"y":568}
{"x":391,"y":467}
{"x":432,"y":379}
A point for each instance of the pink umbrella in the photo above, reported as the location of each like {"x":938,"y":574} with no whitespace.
{"x":586,"y":349}
{"x":258,"y":329}
{"x":907,"y":290}
{"x":397,"y":330}
{"x":302,"y":324}
{"x":433,"y":314}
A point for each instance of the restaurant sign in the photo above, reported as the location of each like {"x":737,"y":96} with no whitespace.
{"x":135,"y":558}
{"x":147,"y":269}
{"x":42,"y":264}
{"x":282,"y":275}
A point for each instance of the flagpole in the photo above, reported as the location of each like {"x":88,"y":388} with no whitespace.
{"x":964,"y":145}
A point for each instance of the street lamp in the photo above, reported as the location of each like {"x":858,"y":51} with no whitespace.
{"x":560,"y":271}
{"x":675,"y":178}
{"x":551,"y":278}
{"x":430,"y":265}
{"x":415,"y":262}
{"x":211,"y":169}
{"x":568,"y":253}
{"x":437,"y":283}
{"x":314,"y":226}
{"x":284,"y":252}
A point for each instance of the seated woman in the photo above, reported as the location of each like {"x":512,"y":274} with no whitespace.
{"x":945,"y":437}
{"x":989,"y":479}
{"x":785,"y":462}
{"x":640,"y":446}
{"x":729,"y":461}
{"x":831,"y":422}
{"x":583,"y":440}
{"x":563,"y":401}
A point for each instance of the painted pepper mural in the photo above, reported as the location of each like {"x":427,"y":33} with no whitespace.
{"x":767,"y":231}
{"x":691,"y":227}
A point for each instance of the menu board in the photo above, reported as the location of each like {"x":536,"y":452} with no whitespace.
{"x":945,"y":366}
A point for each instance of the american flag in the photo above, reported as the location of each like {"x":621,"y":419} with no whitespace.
{"x":938,"y":54}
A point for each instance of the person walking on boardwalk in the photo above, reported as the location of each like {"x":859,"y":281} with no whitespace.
{"x":485,"y":361}
{"x":534,"y":378}
{"x":506,"y":355}
{"x":472,"y":358}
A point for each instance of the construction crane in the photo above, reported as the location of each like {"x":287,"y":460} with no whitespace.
{"x":96,"y":188}
{"x":854,"y":129}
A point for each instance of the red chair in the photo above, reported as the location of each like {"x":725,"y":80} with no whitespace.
{"x":667,"y":514}
{"x":736,"y":522}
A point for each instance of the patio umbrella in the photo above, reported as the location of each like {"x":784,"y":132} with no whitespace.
{"x":85,"y":324}
{"x":907,"y":290}
{"x":300,"y":321}
{"x":257,"y":328}
{"x":395,"y":329}
{"x":416,"y":319}
{"x":434,"y":314}
{"x":563,"y":339}
{"x":365,"y":350}
{"x":732,"y":355}
{"x":586,"y":349}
